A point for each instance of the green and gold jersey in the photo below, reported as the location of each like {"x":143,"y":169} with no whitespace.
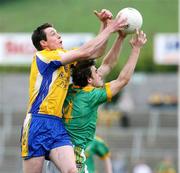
{"x":96,"y":147}
{"x":80,"y":112}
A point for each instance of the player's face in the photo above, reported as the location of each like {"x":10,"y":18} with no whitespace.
{"x":53,"y":39}
{"x":96,"y":79}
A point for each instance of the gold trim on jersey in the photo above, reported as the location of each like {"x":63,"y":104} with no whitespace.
{"x":108,"y":90}
{"x":25,"y":133}
{"x":105,"y":156}
{"x":68,"y":112}
{"x":88,"y":88}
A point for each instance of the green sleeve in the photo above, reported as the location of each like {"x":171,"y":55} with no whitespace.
{"x":100,"y":95}
{"x":102,"y":149}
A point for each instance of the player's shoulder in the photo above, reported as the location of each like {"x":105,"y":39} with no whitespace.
{"x":46,"y":52}
{"x":49,"y":55}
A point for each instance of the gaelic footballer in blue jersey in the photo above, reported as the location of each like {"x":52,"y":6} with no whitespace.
{"x":49,"y":80}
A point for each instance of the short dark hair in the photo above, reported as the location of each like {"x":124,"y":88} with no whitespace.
{"x":39,"y":34}
{"x":81,"y":72}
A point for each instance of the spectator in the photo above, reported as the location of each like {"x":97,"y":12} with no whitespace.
{"x":165,"y":166}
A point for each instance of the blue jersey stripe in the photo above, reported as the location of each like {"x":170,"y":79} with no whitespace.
{"x":43,"y":92}
{"x":42,"y":66}
{"x":46,"y":71}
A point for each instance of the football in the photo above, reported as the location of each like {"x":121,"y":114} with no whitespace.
{"x":134,"y":19}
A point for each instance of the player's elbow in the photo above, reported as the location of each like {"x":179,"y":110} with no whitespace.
{"x":98,"y":54}
{"x":125,"y":80}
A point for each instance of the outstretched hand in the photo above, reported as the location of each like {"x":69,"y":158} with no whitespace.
{"x":104,"y":15}
{"x":139,"y":39}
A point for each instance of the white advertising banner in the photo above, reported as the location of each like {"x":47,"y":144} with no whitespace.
{"x":167,"y":48}
{"x":17,"y":48}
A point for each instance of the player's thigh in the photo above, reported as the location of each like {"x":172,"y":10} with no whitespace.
{"x":64,"y":159}
{"x":33,"y":165}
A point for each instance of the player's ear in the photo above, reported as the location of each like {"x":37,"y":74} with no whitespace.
{"x":89,"y":80}
{"x":43,"y":43}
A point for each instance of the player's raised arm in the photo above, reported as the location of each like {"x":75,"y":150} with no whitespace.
{"x":134,"y":20}
{"x":88,"y":49}
{"x":137,"y":43}
{"x":104,"y":17}
{"x":110,"y":59}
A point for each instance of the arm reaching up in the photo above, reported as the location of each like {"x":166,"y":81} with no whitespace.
{"x":88,"y":49}
{"x":137,"y":43}
{"x":104,"y":16}
{"x":110,"y":59}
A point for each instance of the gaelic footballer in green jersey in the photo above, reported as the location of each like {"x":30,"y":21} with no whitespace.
{"x":88,"y":92}
{"x":80,"y":108}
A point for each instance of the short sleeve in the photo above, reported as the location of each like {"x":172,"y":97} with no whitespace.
{"x":102,"y":149}
{"x":108,"y":91}
{"x":100,"y":95}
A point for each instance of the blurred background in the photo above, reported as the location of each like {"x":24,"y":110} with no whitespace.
{"x":140,"y":125}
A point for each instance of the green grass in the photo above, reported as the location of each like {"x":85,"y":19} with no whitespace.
{"x":77,"y":16}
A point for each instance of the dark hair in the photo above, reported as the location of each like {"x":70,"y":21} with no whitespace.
{"x":81,"y":72}
{"x":39,"y":34}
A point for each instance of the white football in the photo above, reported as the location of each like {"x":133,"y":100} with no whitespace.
{"x":134,"y":19}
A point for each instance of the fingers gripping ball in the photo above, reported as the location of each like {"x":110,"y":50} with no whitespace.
{"x":134,"y":19}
